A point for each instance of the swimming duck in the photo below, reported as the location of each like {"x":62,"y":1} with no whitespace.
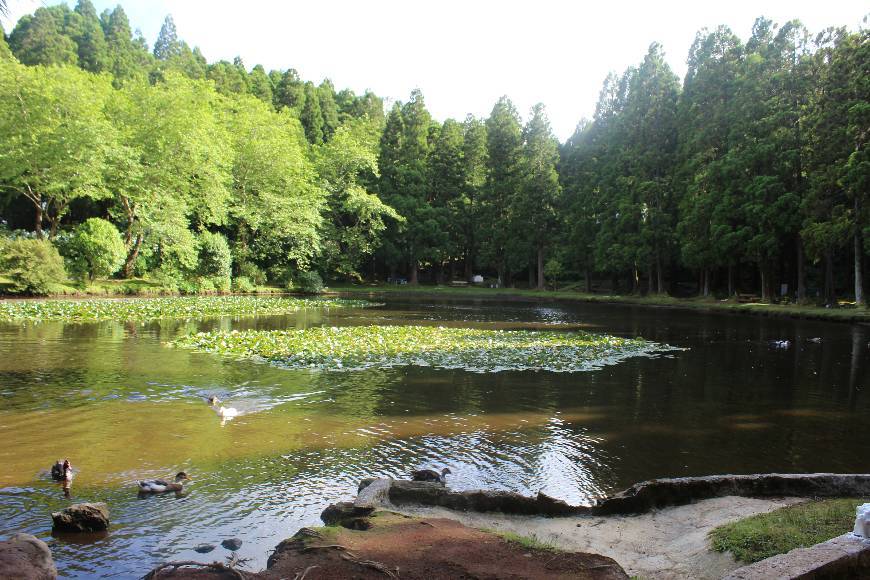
{"x":223,"y":412}
{"x":430,"y":475}
{"x":62,"y":470}
{"x":162,"y":486}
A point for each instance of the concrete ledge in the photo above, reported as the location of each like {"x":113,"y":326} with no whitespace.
{"x":659,"y":493}
{"x":435,"y":494}
{"x":639,"y":498}
{"x":846,"y":556}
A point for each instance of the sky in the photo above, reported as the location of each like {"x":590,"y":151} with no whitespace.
{"x":463,"y":54}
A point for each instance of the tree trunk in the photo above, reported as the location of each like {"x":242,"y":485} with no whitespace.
{"x":706,"y":282}
{"x":38,"y":222}
{"x":469,"y":267}
{"x":730,"y":280}
{"x":801,"y":272}
{"x":860,"y":300}
{"x":830,"y":296}
{"x":413,"y":280}
{"x":660,"y":286}
{"x":130,"y":264}
{"x":650,"y":279}
{"x":588,"y":277}
{"x":765,"y":283}
{"x":540,"y":266}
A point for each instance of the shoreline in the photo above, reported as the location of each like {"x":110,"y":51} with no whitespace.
{"x":848,"y":314}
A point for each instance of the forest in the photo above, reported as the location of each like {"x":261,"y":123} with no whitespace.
{"x":750,"y":175}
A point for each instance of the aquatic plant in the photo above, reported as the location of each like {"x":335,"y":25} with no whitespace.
{"x":363,"y":347}
{"x":167,"y":307}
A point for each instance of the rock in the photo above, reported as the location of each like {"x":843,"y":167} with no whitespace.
{"x":204,"y":548}
{"x":26,"y":557}
{"x":373,"y":495}
{"x":82,"y":517}
{"x":346,"y":514}
{"x":232,"y":544}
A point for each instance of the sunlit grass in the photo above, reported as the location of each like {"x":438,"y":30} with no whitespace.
{"x":91,"y":310}
{"x":364,"y":347}
{"x":798,"y":526}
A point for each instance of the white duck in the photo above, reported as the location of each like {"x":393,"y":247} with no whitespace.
{"x":223,"y":412}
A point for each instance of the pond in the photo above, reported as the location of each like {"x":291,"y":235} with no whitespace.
{"x":123,"y":406}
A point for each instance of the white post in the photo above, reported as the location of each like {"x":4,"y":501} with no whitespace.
{"x":862,"y":521}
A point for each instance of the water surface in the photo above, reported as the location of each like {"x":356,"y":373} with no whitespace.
{"x":122,"y":406}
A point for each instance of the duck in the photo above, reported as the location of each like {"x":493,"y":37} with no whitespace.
{"x":223,"y":412}
{"x":162,"y":486}
{"x":62,"y":470}
{"x":430,"y":475}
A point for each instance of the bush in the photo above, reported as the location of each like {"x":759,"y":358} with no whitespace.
{"x":95,"y":249}
{"x":243,"y":284}
{"x":308,"y":282}
{"x":253,"y":273}
{"x":215,"y":258}
{"x":32,"y":265}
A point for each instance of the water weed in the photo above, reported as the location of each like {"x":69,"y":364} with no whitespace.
{"x":364,"y":347}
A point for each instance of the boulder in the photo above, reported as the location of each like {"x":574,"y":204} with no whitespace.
{"x":346,"y":514}
{"x":82,"y":517}
{"x":203,"y":548}
{"x":26,"y":557}
{"x":232,"y":544}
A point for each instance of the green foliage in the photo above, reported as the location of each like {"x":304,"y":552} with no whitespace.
{"x":243,"y":285}
{"x":55,"y":136}
{"x":308,"y":282}
{"x":96,"y":249}
{"x":799,"y":526}
{"x":33,"y":266}
{"x":365,"y":347}
{"x":252,"y":272}
{"x":215,"y":258}
{"x":156,"y":308}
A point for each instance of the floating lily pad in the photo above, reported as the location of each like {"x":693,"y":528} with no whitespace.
{"x":354,"y":348}
{"x":170,"y":307}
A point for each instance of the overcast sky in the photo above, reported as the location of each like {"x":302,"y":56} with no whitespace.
{"x":463,"y":54}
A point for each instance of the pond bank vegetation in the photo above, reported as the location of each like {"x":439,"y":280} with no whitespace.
{"x":94,"y":310}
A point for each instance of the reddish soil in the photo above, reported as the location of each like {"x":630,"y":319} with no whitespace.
{"x":397,"y":546}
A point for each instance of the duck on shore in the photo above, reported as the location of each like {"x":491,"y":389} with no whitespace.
{"x":162,"y":486}
{"x":430,"y":475}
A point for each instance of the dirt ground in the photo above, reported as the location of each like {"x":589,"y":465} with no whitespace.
{"x":666,"y":544}
{"x":398,"y":546}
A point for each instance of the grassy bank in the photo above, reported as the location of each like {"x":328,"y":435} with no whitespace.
{"x":798,"y":526}
{"x":846,"y":312}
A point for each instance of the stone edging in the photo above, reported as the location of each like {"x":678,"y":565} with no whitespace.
{"x":639,"y":498}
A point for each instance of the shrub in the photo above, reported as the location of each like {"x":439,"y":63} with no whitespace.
{"x":215,"y":258}
{"x":308,"y":282}
{"x":252,"y":272}
{"x":32,"y":265}
{"x":96,"y":249}
{"x":205,"y":286}
{"x":243,"y":284}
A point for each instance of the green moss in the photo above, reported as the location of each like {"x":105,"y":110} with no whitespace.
{"x":190,"y":307}
{"x":798,"y":526}
{"x":364,"y":347}
{"x":528,"y":542}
